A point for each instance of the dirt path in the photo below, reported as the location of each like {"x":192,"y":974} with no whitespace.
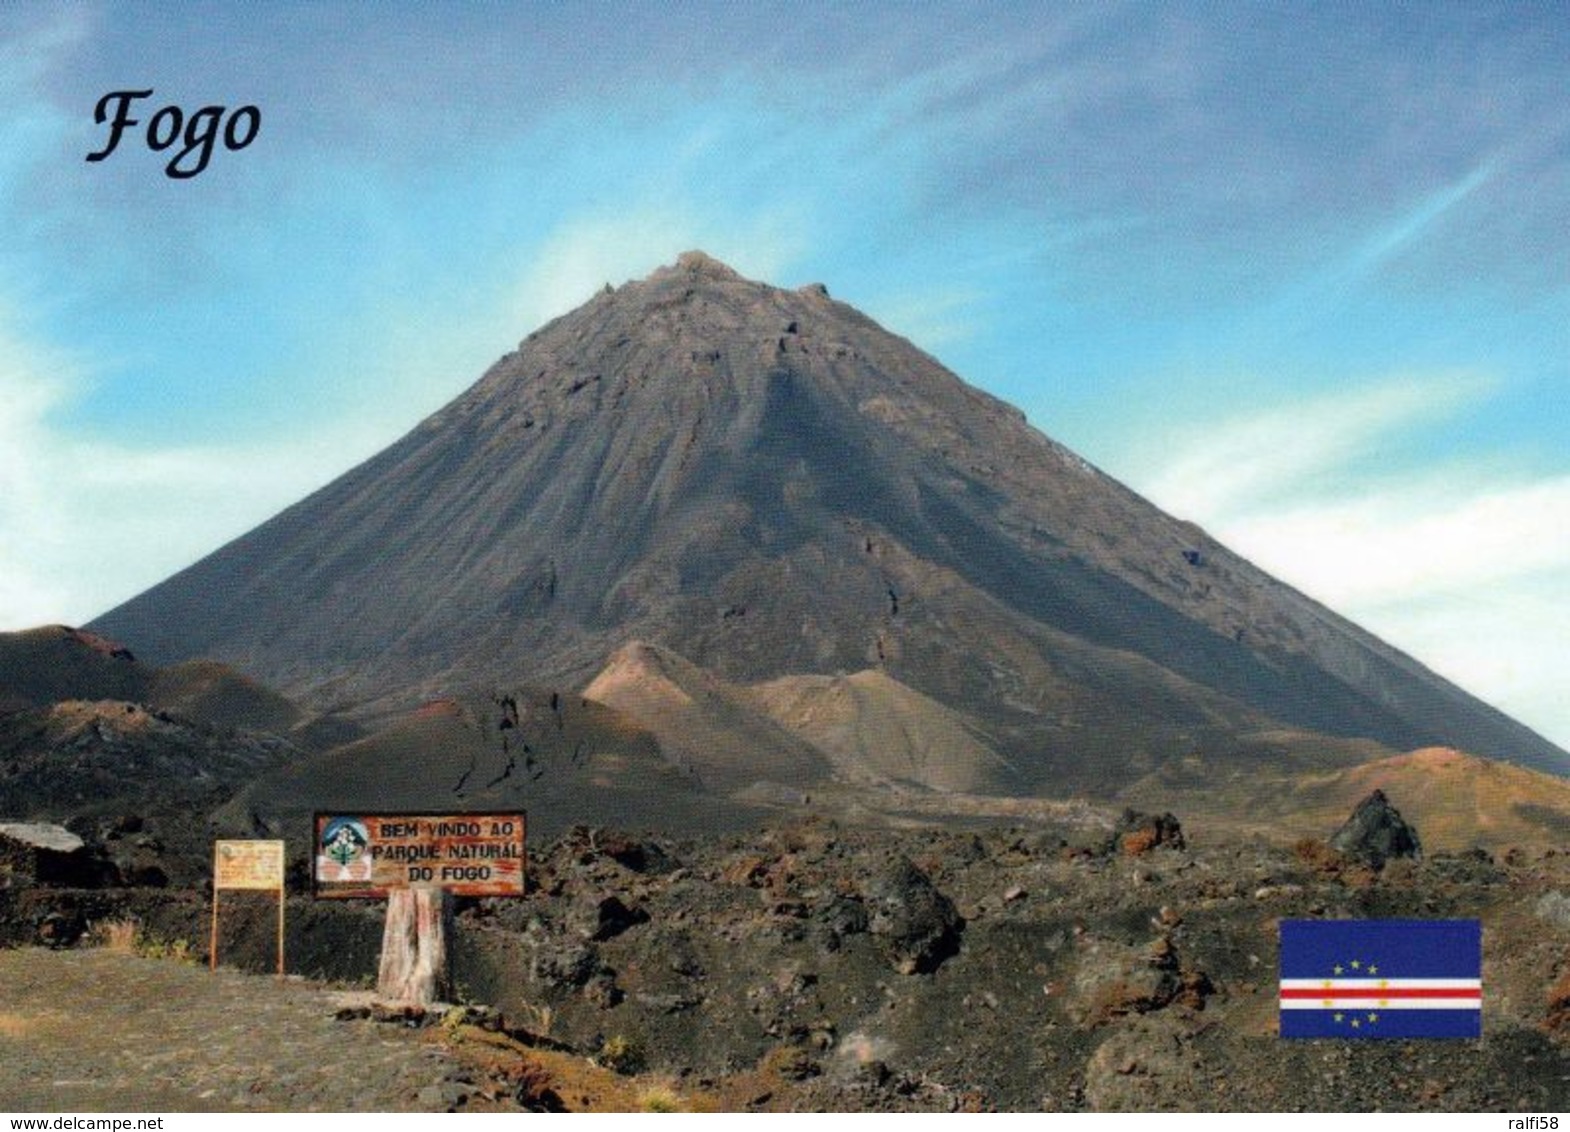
{"x":99,"y":1031}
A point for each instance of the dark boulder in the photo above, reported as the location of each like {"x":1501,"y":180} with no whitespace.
{"x":1376,"y":833}
{"x":61,"y":928}
{"x":840,"y":917}
{"x":602,"y":991}
{"x":1138,"y":833}
{"x":640,"y":855}
{"x":564,"y":963}
{"x":53,"y":856}
{"x":916,"y":926}
{"x":602,"y":918}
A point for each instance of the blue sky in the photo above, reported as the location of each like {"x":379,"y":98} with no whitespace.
{"x":1300,"y":273}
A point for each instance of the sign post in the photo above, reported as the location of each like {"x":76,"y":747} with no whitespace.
{"x":252,"y":865}
{"x":417,"y":862}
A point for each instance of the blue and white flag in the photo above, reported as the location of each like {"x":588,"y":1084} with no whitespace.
{"x":1381,"y":978}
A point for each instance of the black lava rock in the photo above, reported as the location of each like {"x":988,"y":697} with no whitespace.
{"x":1376,"y":833}
{"x":917,"y":926}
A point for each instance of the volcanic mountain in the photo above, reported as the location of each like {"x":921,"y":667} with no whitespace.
{"x":794,"y":548}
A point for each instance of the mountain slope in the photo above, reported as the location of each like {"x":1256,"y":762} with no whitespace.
{"x":770,"y":485}
{"x":53,"y":663}
{"x":564,"y":760}
{"x":876,"y":729}
{"x":56,"y":662}
{"x":704,"y":724}
{"x":1455,"y":800}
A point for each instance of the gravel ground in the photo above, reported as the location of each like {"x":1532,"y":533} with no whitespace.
{"x":810,"y":968}
{"x":99,"y":1031}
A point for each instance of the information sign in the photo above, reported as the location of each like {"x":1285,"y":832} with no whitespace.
{"x":370,"y":855}
{"x":248,"y":864}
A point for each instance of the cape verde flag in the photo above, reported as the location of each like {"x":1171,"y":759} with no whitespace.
{"x":1381,"y":979}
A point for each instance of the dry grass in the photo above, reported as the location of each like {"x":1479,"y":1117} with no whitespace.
{"x":660,"y":1096}
{"x":118,"y":935}
{"x":126,"y":937}
{"x":577,"y":1083}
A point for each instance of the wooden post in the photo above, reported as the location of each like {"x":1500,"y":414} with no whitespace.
{"x":280,"y":930}
{"x":414,"y":946}
{"x":212,"y":950}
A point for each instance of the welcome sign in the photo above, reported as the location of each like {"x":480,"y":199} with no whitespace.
{"x":370,"y":855}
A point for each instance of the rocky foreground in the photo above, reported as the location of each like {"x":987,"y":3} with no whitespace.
{"x":811,"y":966}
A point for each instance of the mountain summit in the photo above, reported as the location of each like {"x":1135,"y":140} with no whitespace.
{"x":774,"y":494}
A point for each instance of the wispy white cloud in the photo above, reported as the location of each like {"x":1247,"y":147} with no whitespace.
{"x":32,"y":382}
{"x":1447,"y":536}
{"x":87,"y":522}
{"x":1411,"y":226}
{"x":31,"y":37}
{"x":1254,"y":461}
{"x":1357,"y":261}
{"x":584,"y":254}
{"x":1460,"y":564}
{"x":1504,"y":641}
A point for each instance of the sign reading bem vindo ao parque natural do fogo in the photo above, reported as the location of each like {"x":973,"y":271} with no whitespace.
{"x":373,"y":855}
{"x":418,"y":862}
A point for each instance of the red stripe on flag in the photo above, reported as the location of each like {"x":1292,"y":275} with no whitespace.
{"x":1386,"y":993}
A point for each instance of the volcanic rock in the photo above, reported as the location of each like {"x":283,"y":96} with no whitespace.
{"x":917,"y":926}
{"x":1557,"y":1018}
{"x":1117,"y":979}
{"x":602,"y":990}
{"x":1147,"y":1066}
{"x":1137,"y":833}
{"x":601,"y":918}
{"x":710,"y":992}
{"x":558,"y":963}
{"x":1376,"y":833}
{"x":75,"y":759}
{"x":42,"y":853}
{"x":1554,"y":908}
